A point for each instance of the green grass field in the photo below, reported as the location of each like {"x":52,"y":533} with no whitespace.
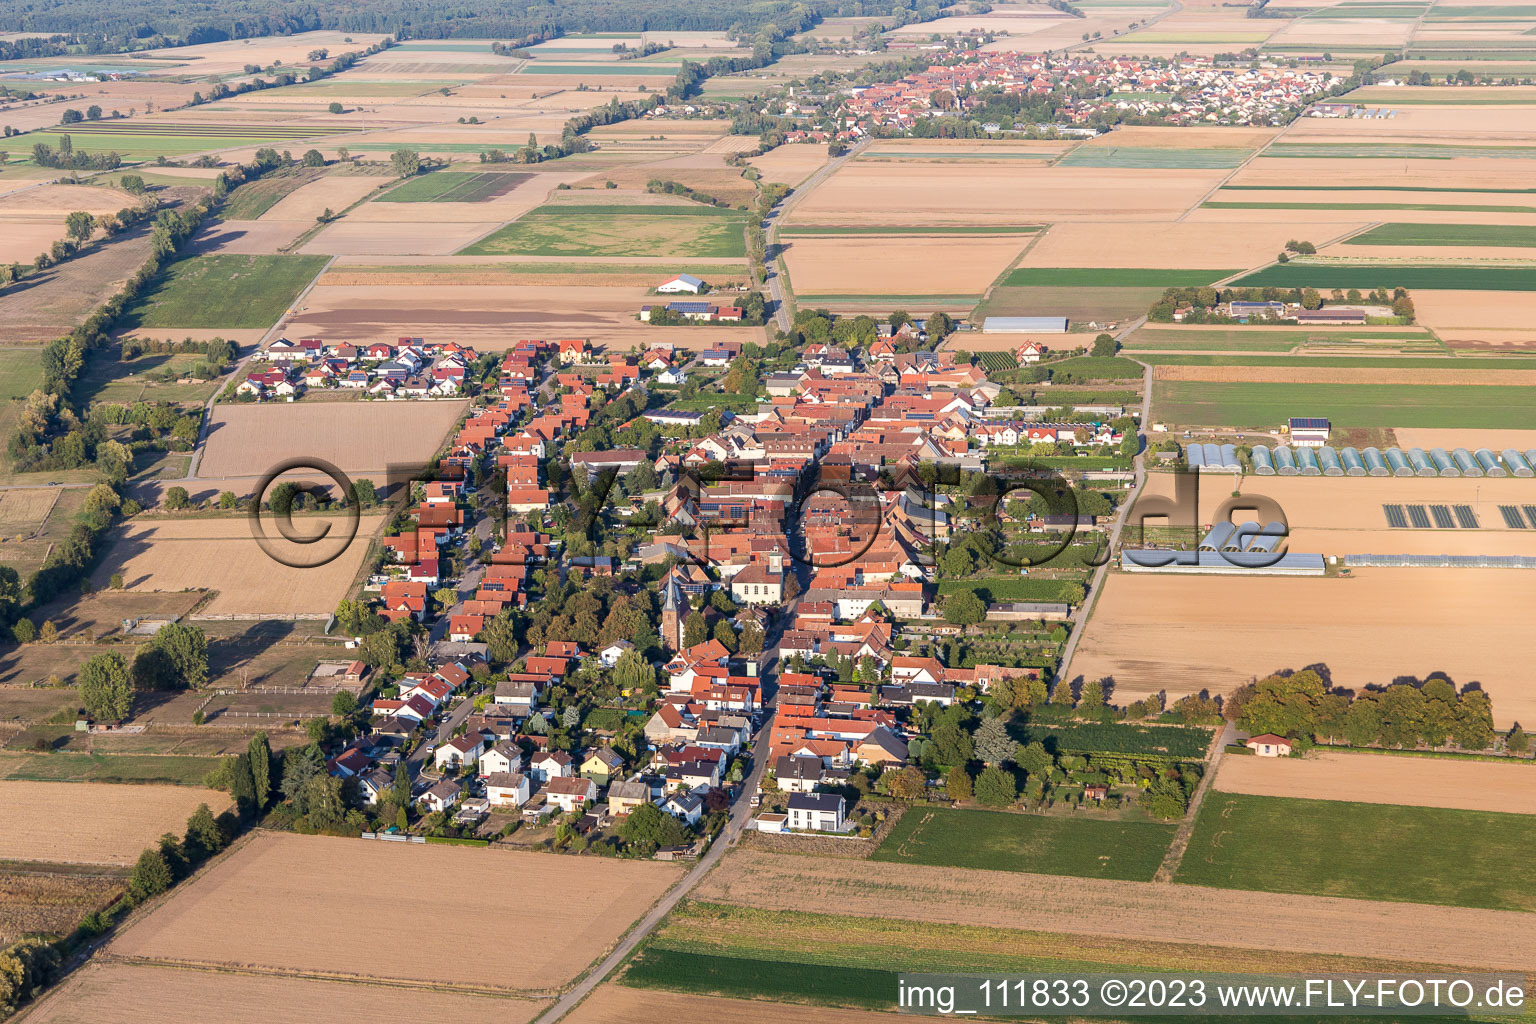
{"x":68,"y":766}
{"x":1371,"y":188}
{"x":1097,"y":367}
{"x":1445,"y":362}
{"x":1348,"y":405}
{"x":1509,"y":236}
{"x":224,"y":291}
{"x":1366,"y":275}
{"x":454,"y":187}
{"x":572,"y":230}
{"x":1261,"y":339}
{"x":1120,"y":277}
{"x":1153,"y":158}
{"x":919,"y":156}
{"x":1016,"y":588}
{"x":136,"y":139}
{"x":255,"y":198}
{"x":997,"y":841}
{"x":1393,"y":150}
{"x":1364,"y":851}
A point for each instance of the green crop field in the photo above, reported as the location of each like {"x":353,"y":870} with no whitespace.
{"x":1372,"y":188}
{"x":69,"y":766}
{"x":1444,"y":362}
{"x":1097,"y":367}
{"x":1296,"y":274}
{"x":1040,"y":844}
{"x":1260,"y":339}
{"x":1149,"y":157}
{"x":254,"y":198}
{"x":1121,"y":277}
{"x":224,"y":291}
{"x":136,"y":139}
{"x":571,"y":230}
{"x":1116,"y":738}
{"x":1017,"y":588}
{"x":454,"y":187}
{"x":919,"y":155}
{"x":1491,"y":406}
{"x":1363,"y":851}
{"x":1510,"y":236}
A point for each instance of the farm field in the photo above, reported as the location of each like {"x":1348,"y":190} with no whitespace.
{"x":50,"y":903}
{"x":569,"y":229}
{"x":151,"y":994}
{"x":1165,"y":244}
{"x":1463,"y":785}
{"x":1141,"y":912}
{"x":222,"y":555}
{"x":223,"y":291}
{"x":1111,"y":277}
{"x":1177,"y":338}
{"x":358,"y":437}
{"x":1391,"y":275}
{"x":254,"y":198}
{"x":1361,"y":851}
{"x":106,"y":769}
{"x":291,"y":886}
{"x":1372,"y":629}
{"x":31,"y":221}
{"x":1078,"y":304}
{"x":455,"y":187}
{"x":618,"y":1004}
{"x":1000,"y":841}
{"x":146,"y":139}
{"x":1266,"y":405}
{"x":1499,"y":236}
{"x":106,"y":824}
{"x":883,"y":265}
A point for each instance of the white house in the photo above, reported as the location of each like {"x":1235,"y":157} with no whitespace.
{"x":506,"y":789}
{"x":465,"y":750}
{"x":672,"y":375}
{"x":503,"y":758}
{"x":552,"y":765}
{"x":819,"y":812}
{"x":686,"y":807}
{"x":441,"y":796}
{"x":1269,"y":745}
{"x":570,"y":793}
{"x":681,"y":284}
{"x":611,"y":654}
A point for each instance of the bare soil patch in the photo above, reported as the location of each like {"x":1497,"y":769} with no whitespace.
{"x":615,"y":1004}
{"x":222,"y":555}
{"x":103,"y":824}
{"x":1384,"y":779}
{"x":247,"y":440}
{"x":1169,"y":244}
{"x":886,"y":265}
{"x":133,"y":993}
{"x":292,"y":888}
{"x":1129,"y":910}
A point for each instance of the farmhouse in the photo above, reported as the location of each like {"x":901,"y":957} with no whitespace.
{"x":1308,"y":432}
{"x":1269,"y":745}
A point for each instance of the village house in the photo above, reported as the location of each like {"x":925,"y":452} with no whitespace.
{"x":569,"y":794}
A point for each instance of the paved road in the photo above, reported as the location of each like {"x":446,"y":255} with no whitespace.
{"x":202,"y":430}
{"x":741,"y":811}
{"x":771,"y":229}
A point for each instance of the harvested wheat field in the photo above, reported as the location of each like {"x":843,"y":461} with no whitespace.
{"x":1131,"y":910}
{"x":615,"y":1004}
{"x":248,"y":440}
{"x":1366,"y":171}
{"x":293,"y":893}
{"x":134,"y":993}
{"x":335,"y":192}
{"x":223,"y":555}
{"x":1492,"y":318}
{"x":1182,"y":244}
{"x":953,"y":192}
{"x":351,"y":237}
{"x":1470,"y":439}
{"x":893,"y":265}
{"x":790,"y":165}
{"x":1184,"y":634}
{"x":1384,"y":779}
{"x":231,"y":56}
{"x":104,"y":824}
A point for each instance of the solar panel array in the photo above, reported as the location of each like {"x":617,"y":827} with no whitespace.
{"x":1451,"y":517}
{"x":1395,"y":517}
{"x":1530,"y":513}
{"x":1442,"y":517}
{"x":1418,"y":517}
{"x":1465,"y":517}
{"x":1512,"y":517}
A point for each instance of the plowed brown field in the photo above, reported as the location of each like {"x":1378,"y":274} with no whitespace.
{"x":103,"y":824}
{"x":1385,"y":779}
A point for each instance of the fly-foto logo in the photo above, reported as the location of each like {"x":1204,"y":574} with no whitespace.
{"x":1246,"y":530}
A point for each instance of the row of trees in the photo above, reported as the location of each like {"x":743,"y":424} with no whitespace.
{"x":175,"y":659}
{"x":1302,"y":705}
